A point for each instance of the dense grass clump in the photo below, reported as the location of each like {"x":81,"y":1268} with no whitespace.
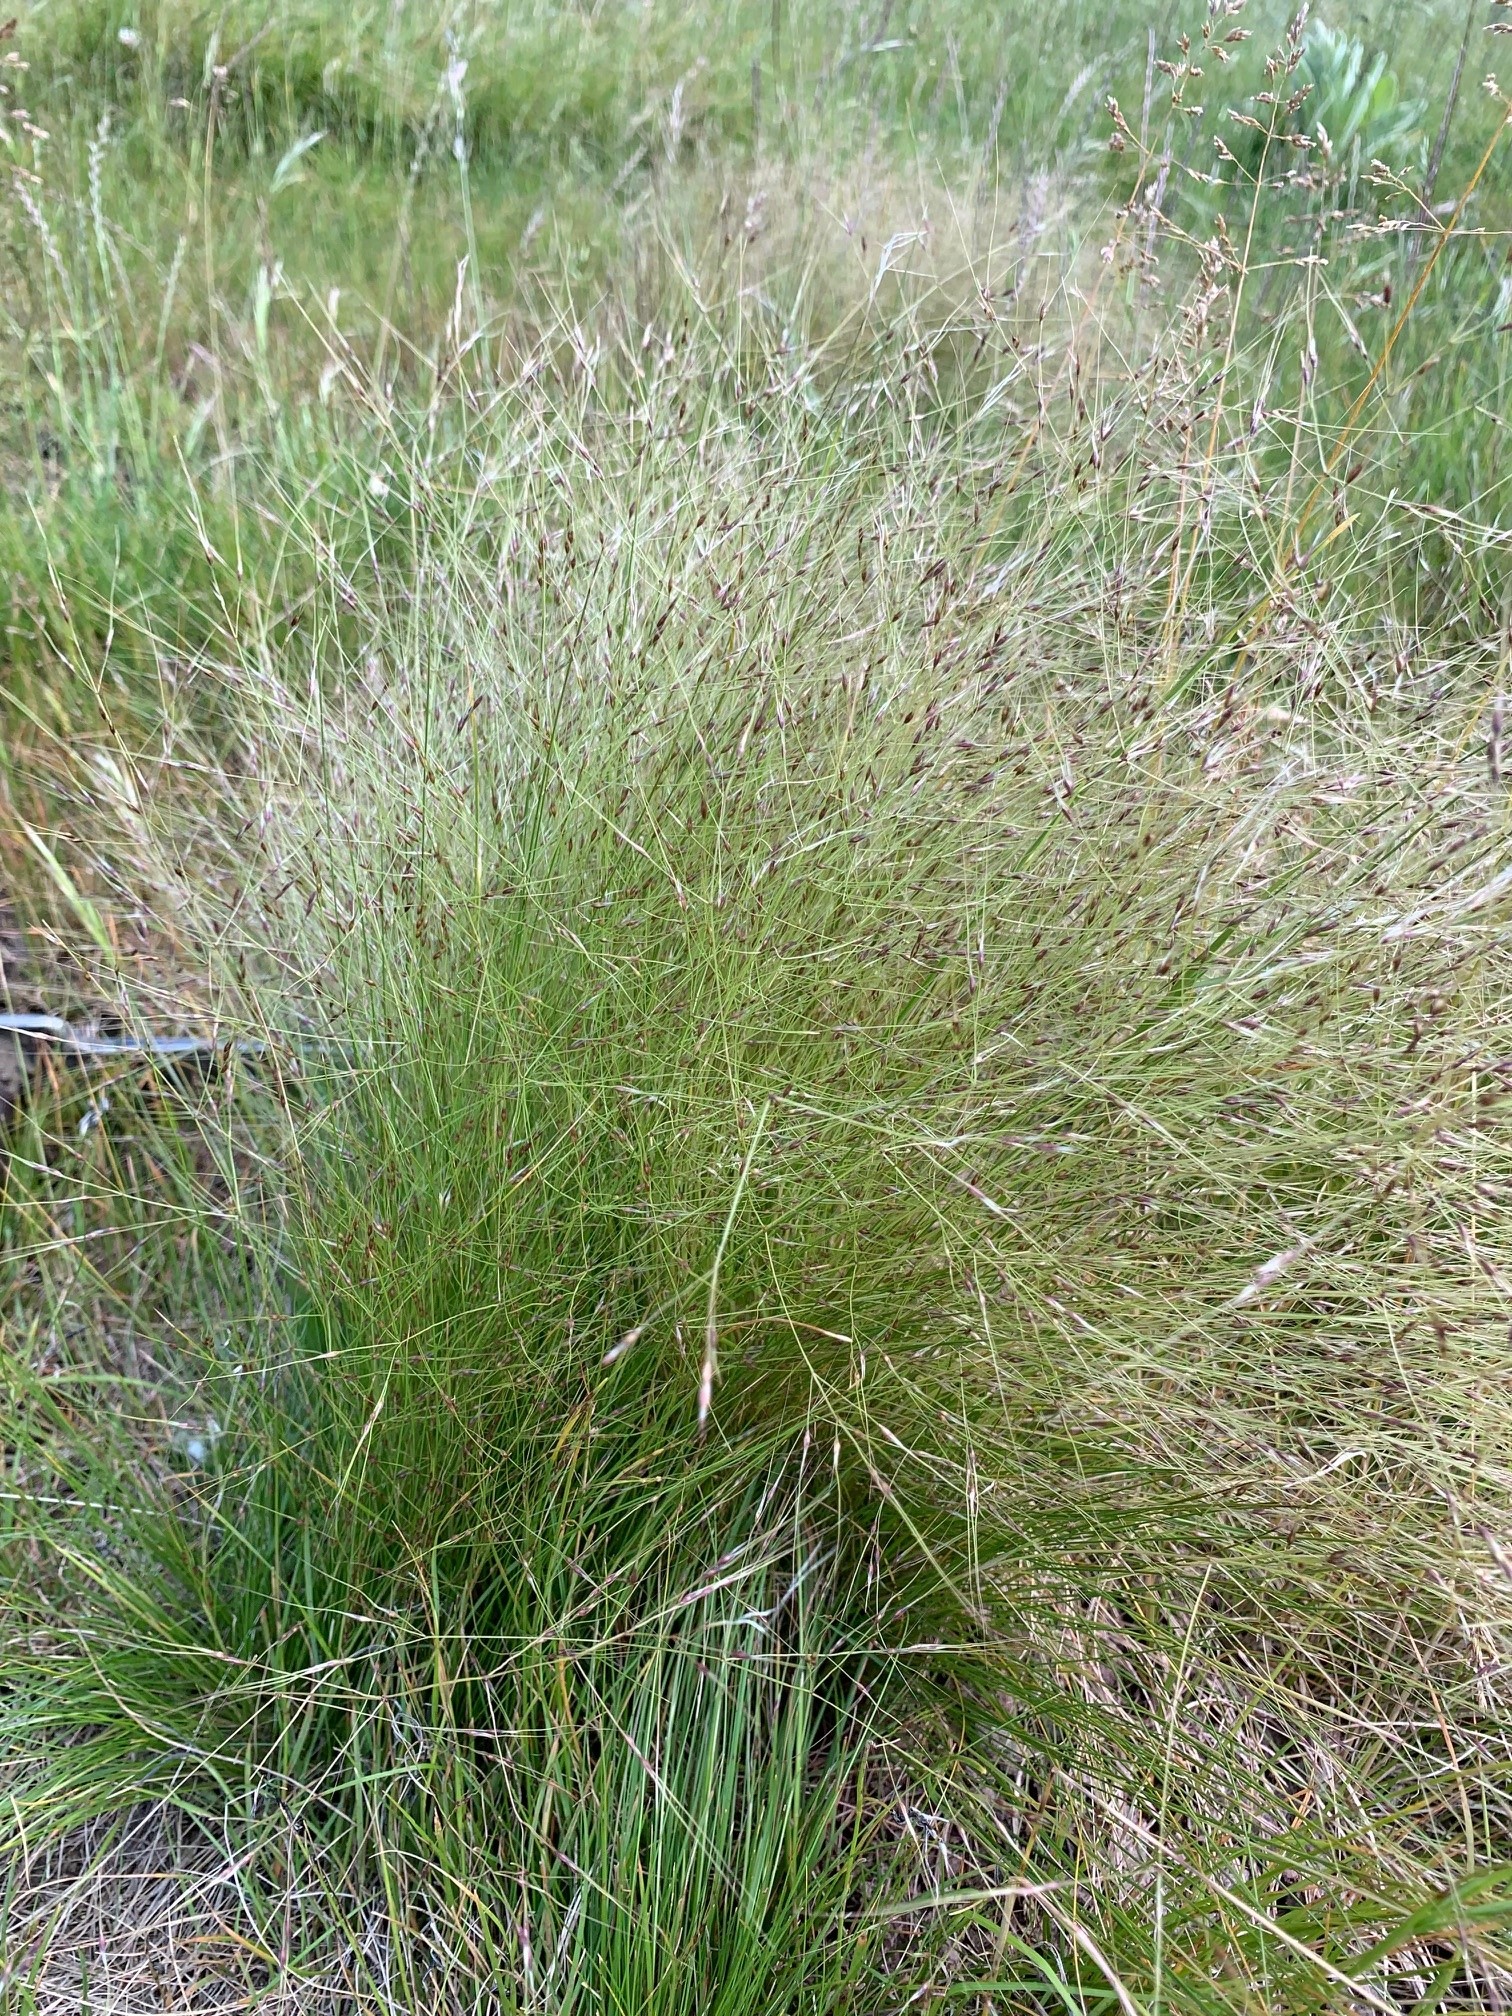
{"x":788,"y":1106}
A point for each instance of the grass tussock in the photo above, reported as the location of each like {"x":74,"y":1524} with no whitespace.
{"x":835,"y":1335}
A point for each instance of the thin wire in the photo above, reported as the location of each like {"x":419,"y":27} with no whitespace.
{"x":79,"y":1043}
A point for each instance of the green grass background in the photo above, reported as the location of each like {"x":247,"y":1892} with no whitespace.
{"x":838,"y":1340}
